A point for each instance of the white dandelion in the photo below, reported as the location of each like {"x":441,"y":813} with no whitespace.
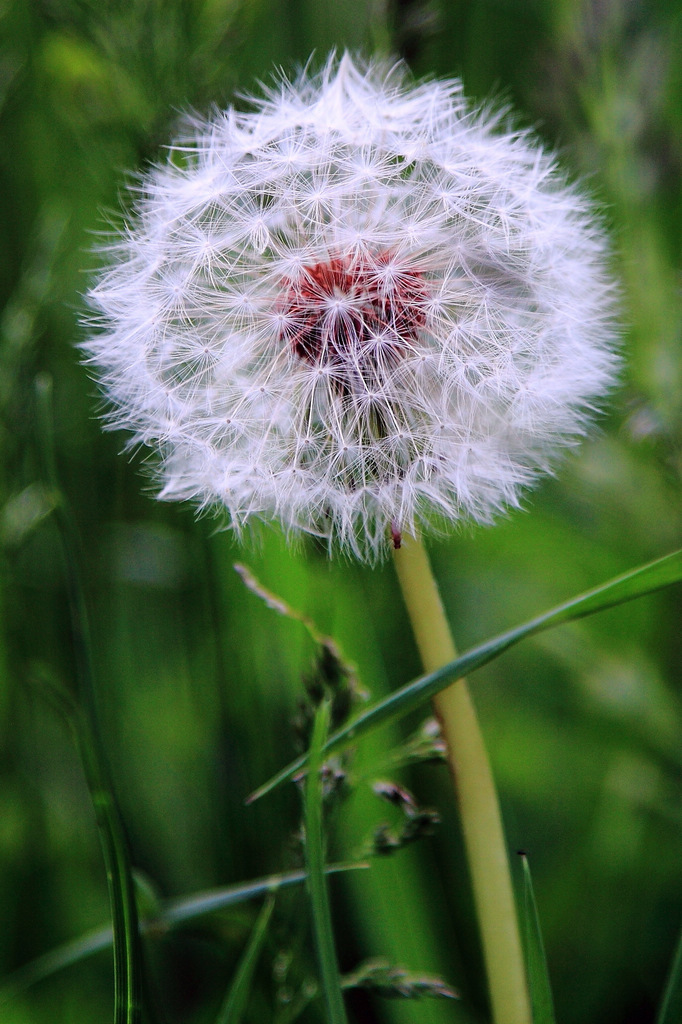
{"x":360,"y":308}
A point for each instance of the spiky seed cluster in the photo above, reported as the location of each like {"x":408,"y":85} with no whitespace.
{"x":360,"y":307}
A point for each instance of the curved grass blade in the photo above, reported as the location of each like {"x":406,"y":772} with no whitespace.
{"x":172,"y":913}
{"x":234,"y":1006}
{"x":542,"y":1004}
{"x":330,"y":978}
{"x":127,"y":952}
{"x":671,"y":1005}
{"x":635,"y":583}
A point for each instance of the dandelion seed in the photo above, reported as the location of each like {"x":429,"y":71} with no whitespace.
{"x":360,"y":309}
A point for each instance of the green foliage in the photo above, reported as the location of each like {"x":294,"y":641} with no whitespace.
{"x":671,"y":1004}
{"x":82,"y":718}
{"x":330,"y":979}
{"x":643,"y":580}
{"x":536,"y":964}
{"x":156,"y":920}
{"x":197,"y":682}
{"x":232,"y":1011}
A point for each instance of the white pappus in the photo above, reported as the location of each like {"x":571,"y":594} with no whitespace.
{"x":360,"y":308}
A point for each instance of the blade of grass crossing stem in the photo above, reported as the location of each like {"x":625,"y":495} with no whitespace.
{"x":671,"y":1006}
{"x":330,"y":979}
{"x":636,"y":583}
{"x":174,"y":912}
{"x":542,"y":1004}
{"x":234,"y":1006}
{"x":127,"y":953}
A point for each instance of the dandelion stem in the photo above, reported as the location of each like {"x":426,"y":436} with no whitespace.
{"x":474,"y":791}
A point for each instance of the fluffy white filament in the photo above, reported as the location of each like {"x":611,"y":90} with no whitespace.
{"x":359,"y":308}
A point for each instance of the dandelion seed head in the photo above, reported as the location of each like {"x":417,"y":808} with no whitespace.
{"x":361,"y":308}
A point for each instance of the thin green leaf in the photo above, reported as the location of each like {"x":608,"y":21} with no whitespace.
{"x":234,"y":1006}
{"x":635,"y":583}
{"x":671,"y":1005}
{"x":173,"y":913}
{"x":127,"y":953}
{"x":542,"y":1004}
{"x":330,"y":979}
{"x":190,"y":907}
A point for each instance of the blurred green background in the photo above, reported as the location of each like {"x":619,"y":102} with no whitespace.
{"x":198,"y":681}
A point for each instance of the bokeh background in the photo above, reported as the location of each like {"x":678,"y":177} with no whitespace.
{"x":198,"y":681}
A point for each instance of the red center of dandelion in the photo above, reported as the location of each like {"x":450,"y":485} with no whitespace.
{"x":354,"y":310}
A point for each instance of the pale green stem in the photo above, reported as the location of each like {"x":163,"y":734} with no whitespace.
{"x":474,"y":790}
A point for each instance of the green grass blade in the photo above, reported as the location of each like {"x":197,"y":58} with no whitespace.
{"x":330,"y":979}
{"x":190,"y":907}
{"x":671,"y":1005}
{"x":127,"y":951}
{"x":635,"y":583}
{"x":234,"y":1006}
{"x":171,"y":914}
{"x":55,"y":960}
{"x":539,"y":985}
